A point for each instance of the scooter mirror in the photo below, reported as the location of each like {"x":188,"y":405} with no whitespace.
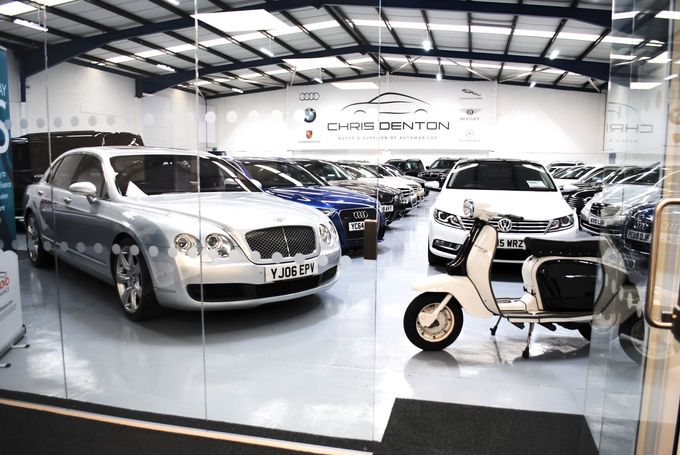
{"x":469,"y":208}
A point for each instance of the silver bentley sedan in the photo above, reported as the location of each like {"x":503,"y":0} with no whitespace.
{"x":178,"y":229}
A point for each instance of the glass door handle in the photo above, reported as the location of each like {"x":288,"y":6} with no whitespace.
{"x":667,"y":319}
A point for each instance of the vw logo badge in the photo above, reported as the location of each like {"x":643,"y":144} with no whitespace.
{"x":309,"y":96}
{"x":360,"y":215}
{"x":504,"y":225}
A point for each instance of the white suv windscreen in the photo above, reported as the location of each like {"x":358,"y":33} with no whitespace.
{"x":500,"y":176}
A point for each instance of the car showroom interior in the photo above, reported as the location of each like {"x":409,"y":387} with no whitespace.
{"x":364,"y":226}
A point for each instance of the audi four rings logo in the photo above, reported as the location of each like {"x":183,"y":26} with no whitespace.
{"x":309,"y":96}
{"x":504,"y":225}
{"x":360,"y":215}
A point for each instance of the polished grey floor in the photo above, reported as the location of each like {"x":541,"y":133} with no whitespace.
{"x":331,"y":364}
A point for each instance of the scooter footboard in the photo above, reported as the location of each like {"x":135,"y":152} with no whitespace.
{"x":460,"y":287}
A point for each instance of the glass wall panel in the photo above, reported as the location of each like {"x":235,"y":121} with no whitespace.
{"x":626,"y":353}
{"x":31,"y":298}
{"x":289,"y":323}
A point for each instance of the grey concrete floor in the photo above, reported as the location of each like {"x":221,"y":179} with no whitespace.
{"x":330,"y":364}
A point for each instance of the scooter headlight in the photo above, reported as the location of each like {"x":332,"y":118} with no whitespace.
{"x":469,"y":208}
{"x":447,"y":219}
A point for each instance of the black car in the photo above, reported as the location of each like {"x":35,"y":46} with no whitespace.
{"x":31,"y":154}
{"x":439,"y":170}
{"x":637,"y":237}
{"x":595,"y":184}
{"x":337,"y":176}
{"x":408,"y":166}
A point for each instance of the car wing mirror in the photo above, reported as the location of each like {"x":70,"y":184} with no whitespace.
{"x":86,"y":189}
{"x":257,"y":183}
{"x":432,"y":185}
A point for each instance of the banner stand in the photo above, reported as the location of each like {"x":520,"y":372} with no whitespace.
{"x":12,"y":328}
{"x":13,"y":345}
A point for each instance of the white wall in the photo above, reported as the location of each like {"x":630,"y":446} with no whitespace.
{"x":546,"y":125}
{"x":539,"y":124}
{"x":82,"y":98}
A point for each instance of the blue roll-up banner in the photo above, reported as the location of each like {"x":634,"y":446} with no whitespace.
{"x":7,"y":222}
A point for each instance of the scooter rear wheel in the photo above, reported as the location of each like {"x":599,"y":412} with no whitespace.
{"x":442,"y":332}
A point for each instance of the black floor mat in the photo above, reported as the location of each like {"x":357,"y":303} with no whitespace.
{"x":424,"y":427}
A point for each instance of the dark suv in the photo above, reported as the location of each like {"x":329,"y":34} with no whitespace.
{"x":31,"y":154}
{"x":439,"y":170}
{"x":408,"y":166}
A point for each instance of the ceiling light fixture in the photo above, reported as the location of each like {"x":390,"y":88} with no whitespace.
{"x":533,"y":84}
{"x":266,"y":51}
{"x":15,"y":8}
{"x":668,"y":15}
{"x":237,"y":90}
{"x":173,"y":2}
{"x":355,"y":85}
{"x":30,"y":24}
{"x":166,"y":67}
{"x":672,"y":76}
{"x":625,"y":15}
{"x":241,"y":21}
{"x":439,"y":76}
{"x":318,"y":80}
{"x":427,"y":45}
{"x":554,"y":54}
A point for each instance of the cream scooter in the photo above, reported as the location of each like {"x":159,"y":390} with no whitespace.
{"x":566,"y":283}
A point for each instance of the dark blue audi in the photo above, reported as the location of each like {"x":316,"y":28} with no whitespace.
{"x":346,"y":209}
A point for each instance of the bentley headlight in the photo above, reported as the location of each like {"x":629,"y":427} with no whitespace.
{"x":447,"y":219}
{"x":325,"y":234}
{"x":219,"y":243}
{"x":185,"y":242}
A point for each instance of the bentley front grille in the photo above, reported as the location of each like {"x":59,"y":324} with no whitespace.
{"x":286,"y":240}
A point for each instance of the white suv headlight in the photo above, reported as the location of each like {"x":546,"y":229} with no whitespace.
{"x":560,"y":224}
{"x":447,"y":219}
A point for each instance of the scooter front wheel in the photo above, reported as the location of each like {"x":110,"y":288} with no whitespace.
{"x":442,"y":332}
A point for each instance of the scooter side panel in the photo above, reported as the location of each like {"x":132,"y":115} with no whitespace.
{"x":462,"y":290}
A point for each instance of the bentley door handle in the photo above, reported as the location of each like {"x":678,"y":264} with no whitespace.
{"x":68,"y":199}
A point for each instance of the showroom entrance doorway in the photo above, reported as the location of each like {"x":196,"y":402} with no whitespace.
{"x":635,"y":408}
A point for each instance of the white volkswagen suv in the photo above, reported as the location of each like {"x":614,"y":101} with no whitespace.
{"x":515,"y":187}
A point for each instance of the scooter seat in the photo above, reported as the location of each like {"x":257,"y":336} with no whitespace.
{"x":569,"y":248}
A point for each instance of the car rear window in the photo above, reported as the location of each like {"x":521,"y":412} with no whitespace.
{"x":500,"y":175}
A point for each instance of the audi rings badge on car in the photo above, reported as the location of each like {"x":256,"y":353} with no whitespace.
{"x":309,"y":96}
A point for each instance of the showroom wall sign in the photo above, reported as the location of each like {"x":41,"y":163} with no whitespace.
{"x":401,"y":115}
{"x":635,"y":118}
{"x":11,"y":319}
{"x":7,"y":224}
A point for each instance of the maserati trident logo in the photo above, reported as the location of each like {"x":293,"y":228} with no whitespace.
{"x":360,"y":215}
{"x":504,"y":225}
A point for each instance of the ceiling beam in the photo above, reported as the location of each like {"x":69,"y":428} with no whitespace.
{"x":596,"y":70}
{"x":599,"y":17}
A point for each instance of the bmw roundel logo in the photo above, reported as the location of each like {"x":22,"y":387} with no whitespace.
{"x":310,"y":115}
